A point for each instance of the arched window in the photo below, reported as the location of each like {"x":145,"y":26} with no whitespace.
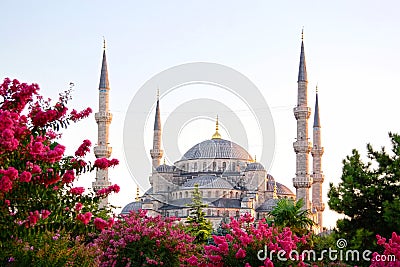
{"x":186,"y":194}
{"x":180,"y":194}
{"x":209,"y":194}
{"x":195,"y":166}
{"x":208,"y":212}
{"x":224,"y":194}
{"x":217,"y":213}
{"x":214,"y":166}
{"x":237,"y":214}
{"x":204,"y":166}
{"x":231,"y":194}
{"x":176,"y":213}
{"x":223,"y":166}
{"x":237,"y":195}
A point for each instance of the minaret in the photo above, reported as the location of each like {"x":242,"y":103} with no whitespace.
{"x":103,"y":119}
{"x":302,"y":182}
{"x":157,"y":153}
{"x":318,"y":176}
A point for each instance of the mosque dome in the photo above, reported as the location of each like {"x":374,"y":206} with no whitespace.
{"x":217,"y":148}
{"x":165,"y":168}
{"x":208,"y":181}
{"x":254,"y":166}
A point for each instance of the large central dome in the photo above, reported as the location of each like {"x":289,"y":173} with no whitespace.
{"x":217,"y":149}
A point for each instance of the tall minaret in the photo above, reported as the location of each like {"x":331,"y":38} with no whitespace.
{"x":302,"y":182}
{"x":103,"y":119}
{"x":318,"y":176}
{"x":157,"y":153}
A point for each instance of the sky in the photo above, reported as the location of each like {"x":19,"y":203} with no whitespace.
{"x":352,"y":53}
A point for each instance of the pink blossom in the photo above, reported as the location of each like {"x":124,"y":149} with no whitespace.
{"x":83,"y":148}
{"x":77,"y":190}
{"x":25,"y":176}
{"x":5,"y":184}
{"x":193,"y":260}
{"x":7,"y":202}
{"x":101,"y":163}
{"x":78,"y":206}
{"x":84,"y":218}
{"x":45,"y":214}
{"x":240,"y":254}
{"x":100,"y":224}
{"x":68,"y":177}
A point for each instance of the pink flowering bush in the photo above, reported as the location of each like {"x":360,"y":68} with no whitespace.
{"x":36,"y":178}
{"x":244,"y":241}
{"x":140,"y":240}
{"x":391,"y":255}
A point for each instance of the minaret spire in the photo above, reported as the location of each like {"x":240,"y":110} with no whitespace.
{"x":318,"y":176}
{"x":103,"y":119}
{"x":157,"y":153}
{"x":216,"y":135}
{"x":302,"y":182}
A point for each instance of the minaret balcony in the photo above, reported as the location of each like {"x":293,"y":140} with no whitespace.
{"x":302,"y":182}
{"x":318,"y":177}
{"x":156,"y":153}
{"x":317,"y":151}
{"x":103,"y":117}
{"x":319,"y":206}
{"x":301,"y":112}
{"x":102,"y":151}
{"x":302,"y":146}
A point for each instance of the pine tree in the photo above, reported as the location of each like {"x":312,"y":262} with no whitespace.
{"x":198,"y":225}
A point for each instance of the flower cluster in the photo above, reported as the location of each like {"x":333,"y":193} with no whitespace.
{"x":35,"y":216}
{"x":140,"y":240}
{"x":391,"y":255}
{"x":77,"y":190}
{"x":108,"y":190}
{"x":104,"y":163}
{"x":76,"y":116}
{"x":83,"y":148}
{"x":84,"y":217}
{"x":244,"y":239}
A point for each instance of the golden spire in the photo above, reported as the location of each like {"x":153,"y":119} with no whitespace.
{"x":255,"y":158}
{"x":302,"y":33}
{"x":137,"y":193}
{"x":275,"y":195}
{"x":216,"y":135}
{"x":164,"y":161}
{"x":104,"y":43}
{"x":316,"y":88}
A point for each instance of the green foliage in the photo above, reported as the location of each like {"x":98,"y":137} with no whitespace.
{"x":51,"y":249}
{"x":369,"y":196}
{"x":198,"y":225}
{"x":289,"y":213}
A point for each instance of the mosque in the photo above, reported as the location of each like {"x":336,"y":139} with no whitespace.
{"x":230,"y":181}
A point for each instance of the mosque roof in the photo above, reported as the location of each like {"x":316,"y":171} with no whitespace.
{"x":208,"y":181}
{"x":255,"y":166}
{"x":268,"y":205}
{"x":217,"y":148}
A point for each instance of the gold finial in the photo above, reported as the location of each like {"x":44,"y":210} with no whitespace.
{"x":316,"y":88}
{"x":158,"y":93}
{"x":255,"y":158}
{"x":302,"y":33}
{"x":275,"y":195}
{"x":164,"y":161}
{"x":104,"y":43}
{"x":216,"y":135}
{"x":137,"y":193}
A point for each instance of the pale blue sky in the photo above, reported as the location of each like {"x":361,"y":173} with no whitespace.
{"x":352,"y":52}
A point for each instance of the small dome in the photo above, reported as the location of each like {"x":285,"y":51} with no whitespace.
{"x":208,"y":181}
{"x":165,"y":168}
{"x":254,"y":166}
{"x":133,"y":206}
{"x":280,"y":188}
{"x":268,"y":205}
{"x":217,"y":149}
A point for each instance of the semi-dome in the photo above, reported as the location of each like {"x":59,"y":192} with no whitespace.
{"x":280,"y":188}
{"x":165,"y":168}
{"x":255,"y":166}
{"x":208,"y":181}
{"x":133,"y":206}
{"x":217,"y":149}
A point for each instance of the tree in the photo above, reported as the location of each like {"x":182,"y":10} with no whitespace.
{"x":37,"y":195}
{"x":368,"y":196}
{"x":198,"y":225}
{"x":289,"y":213}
